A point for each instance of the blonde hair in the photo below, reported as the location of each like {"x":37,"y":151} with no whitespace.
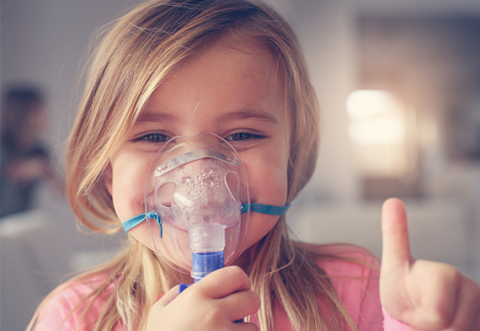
{"x":137,"y":53}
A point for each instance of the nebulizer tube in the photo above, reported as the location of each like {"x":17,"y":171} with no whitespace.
{"x":207,"y":245}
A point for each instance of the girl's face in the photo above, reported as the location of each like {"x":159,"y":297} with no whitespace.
{"x":233,"y":93}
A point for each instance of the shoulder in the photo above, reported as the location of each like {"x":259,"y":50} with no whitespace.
{"x":65,"y":307}
{"x":354,"y":273}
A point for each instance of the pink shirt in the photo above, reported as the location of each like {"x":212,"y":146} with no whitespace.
{"x":356,"y":285}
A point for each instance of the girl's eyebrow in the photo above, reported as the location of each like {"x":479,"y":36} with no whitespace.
{"x":243,"y":114}
{"x":146,"y":116}
{"x":248,"y":113}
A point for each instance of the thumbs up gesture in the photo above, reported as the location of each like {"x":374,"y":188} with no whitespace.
{"x":425,"y":295}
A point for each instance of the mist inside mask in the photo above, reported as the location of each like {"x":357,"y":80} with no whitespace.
{"x":197,"y":186}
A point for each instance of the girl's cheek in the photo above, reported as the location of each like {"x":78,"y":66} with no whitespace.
{"x":142,"y":234}
{"x":128,"y":187}
{"x":267,"y":179}
{"x":259,"y":226}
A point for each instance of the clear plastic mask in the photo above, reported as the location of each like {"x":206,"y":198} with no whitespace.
{"x":198,"y":186}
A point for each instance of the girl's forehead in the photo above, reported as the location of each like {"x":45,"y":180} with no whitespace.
{"x":227,"y":71}
{"x":245,"y":55}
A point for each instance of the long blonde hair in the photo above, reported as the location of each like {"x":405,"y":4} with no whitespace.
{"x":137,"y":53}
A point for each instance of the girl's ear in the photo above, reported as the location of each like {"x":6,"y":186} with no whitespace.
{"x":107,"y":178}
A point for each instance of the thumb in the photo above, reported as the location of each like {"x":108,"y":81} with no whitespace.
{"x":395,"y":258}
{"x":396,"y":245}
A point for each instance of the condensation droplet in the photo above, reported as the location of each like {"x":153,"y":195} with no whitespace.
{"x":209,"y":181}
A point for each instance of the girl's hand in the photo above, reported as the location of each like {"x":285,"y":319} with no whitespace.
{"x":423,"y":294}
{"x":213,"y":303}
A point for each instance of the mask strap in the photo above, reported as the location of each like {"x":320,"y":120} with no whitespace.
{"x":265,"y":209}
{"x":255,"y":207}
{"x":134,"y":221}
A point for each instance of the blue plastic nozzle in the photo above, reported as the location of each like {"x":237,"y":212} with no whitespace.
{"x":204,"y":263}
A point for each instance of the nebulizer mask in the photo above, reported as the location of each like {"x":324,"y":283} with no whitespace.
{"x":197,"y":204}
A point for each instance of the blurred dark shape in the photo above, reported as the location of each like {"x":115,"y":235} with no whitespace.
{"x":25,"y":160}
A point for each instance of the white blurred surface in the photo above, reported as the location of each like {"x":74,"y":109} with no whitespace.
{"x":39,"y":249}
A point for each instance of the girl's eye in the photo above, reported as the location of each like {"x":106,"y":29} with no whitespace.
{"x":153,"y":138}
{"x":243,"y":136}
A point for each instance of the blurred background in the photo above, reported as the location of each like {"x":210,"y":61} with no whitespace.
{"x":399,"y":86}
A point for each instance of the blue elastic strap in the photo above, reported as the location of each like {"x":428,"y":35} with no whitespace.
{"x":134,"y":221}
{"x":265,"y":209}
{"x":255,"y":207}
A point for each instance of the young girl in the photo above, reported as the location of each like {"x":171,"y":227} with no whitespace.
{"x":232,"y":69}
